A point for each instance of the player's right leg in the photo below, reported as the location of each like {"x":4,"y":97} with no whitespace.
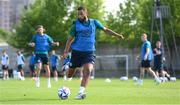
{"x":4,"y":74}
{"x":140,"y":81}
{"x":19,"y":72}
{"x":45,"y":62}
{"x":38,"y":71}
{"x":54,"y":69}
{"x":70,"y":73}
{"x":22,"y":72}
{"x":142,"y":69}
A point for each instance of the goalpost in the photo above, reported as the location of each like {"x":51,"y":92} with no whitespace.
{"x":111,"y":59}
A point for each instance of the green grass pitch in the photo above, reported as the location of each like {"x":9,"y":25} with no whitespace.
{"x":14,"y":92}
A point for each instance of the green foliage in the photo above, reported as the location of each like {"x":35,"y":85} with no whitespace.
{"x":135,"y":16}
{"x":4,"y":36}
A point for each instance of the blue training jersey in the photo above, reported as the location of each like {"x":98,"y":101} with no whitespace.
{"x":42,"y":43}
{"x":32,"y":60}
{"x":85,"y":35}
{"x":53,"y":60}
{"x":144,"y":46}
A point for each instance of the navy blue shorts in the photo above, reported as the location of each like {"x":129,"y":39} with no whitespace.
{"x":79,"y":58}
{"x":42,"y":58}
{"x":32,"y":68}
{"x":145,"y":63}
{"x":158,"y":67}
{"x":20,"y":67}
{"x":54,"y":68}
{"x":4,"y":67}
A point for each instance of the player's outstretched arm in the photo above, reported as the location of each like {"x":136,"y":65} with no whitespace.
{"x":110,"y":32}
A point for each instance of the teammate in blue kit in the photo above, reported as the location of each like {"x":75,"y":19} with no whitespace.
{"x":32,"y":65}
{"x":146,"y":58}
{"x":54,"y":58}
{"x":20,"y":61}
{"x":81,"y":40}
{"x":42,"y":43}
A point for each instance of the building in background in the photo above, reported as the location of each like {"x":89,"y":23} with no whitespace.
{"x":10,"y":12}
{"x":5,"y":14}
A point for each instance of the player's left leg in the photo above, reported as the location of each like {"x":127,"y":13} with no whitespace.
{"x":4,"y":74}
{"x":7,"y":74}
{"x":86,"y":71}
{"x":154,"y":75}
{"x":55,"y":73}
{"x":22,"y":74}
{"x":47,"y":69}
{"x":166,"y":75}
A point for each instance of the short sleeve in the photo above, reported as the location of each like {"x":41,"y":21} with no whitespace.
{"x":72,"y":30}
{"x":147,"y":45}
{"x":50,"y":40}
{"x":98,"y":24}
{"x":33,"y":38}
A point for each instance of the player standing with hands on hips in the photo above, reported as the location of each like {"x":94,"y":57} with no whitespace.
{"x":42,"y":43}
{"x":81,"y":41}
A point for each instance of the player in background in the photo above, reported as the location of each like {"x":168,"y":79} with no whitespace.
{"x":42,"y":43}
{"x":54,"y":58}
{"x":146,"y":58}
{"x":158,"y":62}
{"x":32,"y":65}
{"x":81,"y":40}
{"x":65,"y":66}
{"x":5,"y":65}
{"x":20,"y":61}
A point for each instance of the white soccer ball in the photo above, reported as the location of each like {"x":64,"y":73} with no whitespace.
{"x":64,"y":93}
{"x":134,"y":78}
{"x":108,"y":80}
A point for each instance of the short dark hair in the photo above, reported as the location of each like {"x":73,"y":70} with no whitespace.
{"x":39,"y":26}
{"x":82,"y":8}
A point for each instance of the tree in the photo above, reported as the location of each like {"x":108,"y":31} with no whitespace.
{"x":4,"y":36}
{"x":135,"y":16}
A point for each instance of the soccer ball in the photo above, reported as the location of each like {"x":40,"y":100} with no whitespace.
{"x":64,"y":93}
{"x":135,"y":79}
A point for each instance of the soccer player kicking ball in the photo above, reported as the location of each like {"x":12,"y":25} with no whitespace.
{"x":146,"y":58}
{"x":81,"y":40}
{"x":42,"y":42}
